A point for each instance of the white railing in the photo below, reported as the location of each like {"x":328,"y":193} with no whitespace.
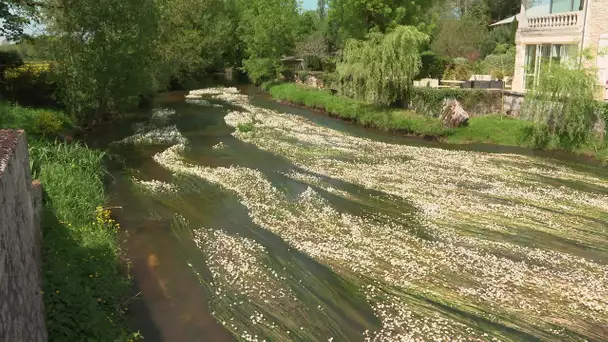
{"x":557,"y":20}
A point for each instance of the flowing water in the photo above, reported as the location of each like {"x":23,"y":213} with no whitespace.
{"x":250,"y":220}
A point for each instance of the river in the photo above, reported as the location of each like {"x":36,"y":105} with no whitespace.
{"x":250,"y":220}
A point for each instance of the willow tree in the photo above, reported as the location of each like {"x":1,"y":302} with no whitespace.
{"x":381,"y":69}
{"x":562,"y":101}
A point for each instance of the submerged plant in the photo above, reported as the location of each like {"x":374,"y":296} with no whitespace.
{"x":440,"y":244}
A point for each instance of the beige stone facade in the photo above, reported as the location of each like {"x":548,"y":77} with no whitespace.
{"x":542,"y":33}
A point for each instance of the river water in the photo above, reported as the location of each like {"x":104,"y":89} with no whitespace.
{"x":250,"y":220}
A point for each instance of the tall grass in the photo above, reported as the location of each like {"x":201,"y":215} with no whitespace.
{"x":493,"y":129}
{"x":397,"y":120}
{"x":84,"y":289}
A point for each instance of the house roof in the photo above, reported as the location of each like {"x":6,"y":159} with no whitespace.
{"x":504,"y":21}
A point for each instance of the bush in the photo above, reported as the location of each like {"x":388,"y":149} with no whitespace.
{"x":352,"y":110}
{"x":30,"y":85}
{"x":433,"y":65}
{"x":36,"y":122}
{"x":10,"y":59}
{"x":501,"y":63}
{"x":428,"y":101}
{"x":459,"y":70}
{"x":329,"y":64}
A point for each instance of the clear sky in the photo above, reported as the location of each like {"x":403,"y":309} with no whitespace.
{"x":309,"y":4}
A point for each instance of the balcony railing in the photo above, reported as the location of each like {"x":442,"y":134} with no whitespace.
{"x":557,"y":20}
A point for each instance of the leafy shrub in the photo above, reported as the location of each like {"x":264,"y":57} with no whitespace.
{"x":428,"y":101}
{"x":433,"y":65}
{"x":10,"y":59}
{"x":47,"y":123}
{"x":302,"y":75}
{"x":329,"y":64}
{"x":501,"y":62}
{"x":30,"y":85}
{"x":42,"y":122}
{"x":261,"y":69}
{"x":603,"y":109}
{"x":460,"y":70}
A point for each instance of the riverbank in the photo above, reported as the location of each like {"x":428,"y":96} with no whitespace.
{"x":491,"y":129}
{"x":84,"y":289}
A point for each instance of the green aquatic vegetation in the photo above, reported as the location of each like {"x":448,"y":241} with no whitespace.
{"x":245,"y":127}
{"x":255,"y":293}
{"x":436,"y":244}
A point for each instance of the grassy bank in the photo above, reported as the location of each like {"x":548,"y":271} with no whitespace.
{"x":84,"y":289}
{"x":397,"y":120}
{"x":493,"y":129}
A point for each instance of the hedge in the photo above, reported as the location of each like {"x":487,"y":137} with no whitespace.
{"x":427,"y":101}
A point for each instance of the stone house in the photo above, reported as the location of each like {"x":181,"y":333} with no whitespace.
{"x":557,"y":31}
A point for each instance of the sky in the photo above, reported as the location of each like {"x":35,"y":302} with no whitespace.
{"x":309,"y":4}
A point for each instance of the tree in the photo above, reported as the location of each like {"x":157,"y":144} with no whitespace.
{"x":498,"y":36}
{"x":313,"y":50}
{"x":268,"y":30}
{"x":308,"y":23}
{"x":462,"y":30}
{"x":501,"y":62}
{"x":14,"y":15}
{"x":355,"y":18}
{"x":381,"y":69}
{"x":562,"y":102}
{"x":322,"y":9}
{"x":108,"y":53}
{"x":501,"y":9}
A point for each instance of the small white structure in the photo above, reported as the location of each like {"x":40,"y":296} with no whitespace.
{"x":427,"y":82}
{"x":556,"y":31}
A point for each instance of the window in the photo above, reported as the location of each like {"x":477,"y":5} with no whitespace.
{"x":545,"y":7}
{"x":561,"y":6}
{"x":539,"y":54}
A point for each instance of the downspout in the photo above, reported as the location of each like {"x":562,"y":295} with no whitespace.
{"x":587,"y":4}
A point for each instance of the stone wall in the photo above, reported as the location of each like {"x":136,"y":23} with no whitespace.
{"x":512,"y":102}
{"x":21,"y":304}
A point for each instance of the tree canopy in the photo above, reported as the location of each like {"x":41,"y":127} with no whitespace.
{"x":355,"y":18}
{"x":381,"y":69}
{"x":268,"y":29}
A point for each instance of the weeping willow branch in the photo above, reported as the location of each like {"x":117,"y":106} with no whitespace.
{"x":382,"y":68}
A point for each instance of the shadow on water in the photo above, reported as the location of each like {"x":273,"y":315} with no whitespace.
{"x":174,"y":303}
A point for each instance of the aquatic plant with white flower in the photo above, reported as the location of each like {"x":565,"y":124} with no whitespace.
{"x":444,"y":244}
{"x":161,"y":136}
